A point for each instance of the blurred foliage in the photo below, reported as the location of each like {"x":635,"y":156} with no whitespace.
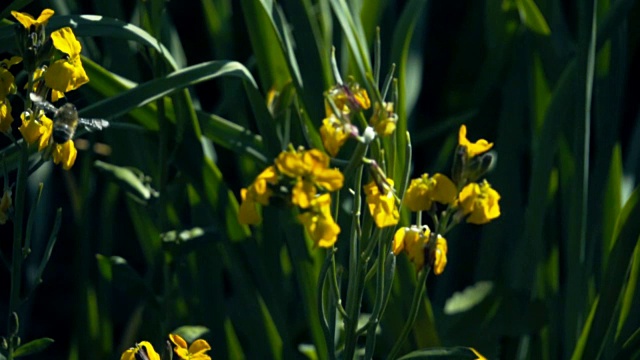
{"x":552,"y":83}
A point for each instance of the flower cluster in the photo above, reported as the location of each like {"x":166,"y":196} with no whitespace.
{"x":53,"y":64}
{"x":144,"y":350}
{"x":342,"y":103}
{"x":304,"y":179}
{"x":462,"y":196}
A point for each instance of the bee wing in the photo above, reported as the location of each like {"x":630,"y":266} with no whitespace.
{"x":44,"y":104}
{"x":93,"y":124}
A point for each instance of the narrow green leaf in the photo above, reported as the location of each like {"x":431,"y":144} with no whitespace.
{"x":629,"y":290}
{"x":355,"y":38}
{"x":131,"y":180}
{"x":442,"y":353}
{"x":14,"y":5}
{"x":612,"y":201}
{"x":626,"y":233}
{"x":531,"y":16}
{"x":32,"y":347}
{"x":191,"y":333}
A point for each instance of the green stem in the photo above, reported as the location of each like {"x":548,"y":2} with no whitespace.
{"x":353,"y":298}
{"x":16,"y":258}
{"x":413,"y":313}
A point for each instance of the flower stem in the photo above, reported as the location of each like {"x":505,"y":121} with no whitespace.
{"x":413,"y":312}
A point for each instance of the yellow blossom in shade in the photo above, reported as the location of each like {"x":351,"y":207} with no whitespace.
{"x":473,"y":149}
{"x":39,"y":129}
{"x":5,"y":205}
{"x":333,"y":134}
{"x":348,"y":99}
{"x":382,"y":206}
{"x":423,"y":191}
{"x":480,"y":201}
{"x":7,"y":80}
{"x":65,"y":74}
{"x":65,"y":154}
{"x":6,"y":119}
{"x":319,"y":223}
{"x":27,"y":20}
{"x":439,"y":255}
{"x":412,"y":241}
{"x":144,"y":347}
{"x":384,"y":119}
{"x":257,"y":194}
{"x":196,"y":351}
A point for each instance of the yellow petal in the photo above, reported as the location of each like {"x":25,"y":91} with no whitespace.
{"x":303,"y":193}
{"x":6,"y":119}
{"x":65,"y":75}
{"x":473,"y":149}
{"x":290,"y":163}
{"x":178,"y":340}
{"x":333,"y":135}
{"x":398,"y":240}
{"x":440,"y":261}
{"x":7,"y":83}
{"x":248,"y":213}
{"x":382,"y":207}
{"x":65,"y":41}
{"x":65,"y":154}
{"x":199,"y":347}
{"x":27,"y":20}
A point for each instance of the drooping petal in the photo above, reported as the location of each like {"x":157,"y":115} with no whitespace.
{"x":480,"y":202}
{"x":66,"y":154}
{"x":65,"y":40}
{"x":198,"y":348}
{"x":440,"y":256}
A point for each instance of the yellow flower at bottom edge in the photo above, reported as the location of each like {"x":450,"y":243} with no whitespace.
{"x":423,"y":191}
{"x":5,"y":205}
{"x":382,"y":206}
{"x":144,"y":347}
{"x":319,"y":223}
{"x":39,"y":129}
{"x":65,"y":153}
{"x":5,"y":116}
{"x":196,"y":351}
{"x":480,"y":201}
{"x":476,"y":353}
{"x":333,"y":134}
{"x":475,"y":148}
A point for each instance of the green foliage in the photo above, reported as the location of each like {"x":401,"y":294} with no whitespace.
{"x":149,"y":242}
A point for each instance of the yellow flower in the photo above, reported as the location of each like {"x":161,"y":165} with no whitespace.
{"x":27,"y":20}
{"x":382,"y":206}
{"x":65,"y":153}
{"x":257,"y":193}
{"x":476,"y":353}
{"x":319,"y":223}
{"x":5,"y":116}
{"x":65,"y":74}
{"x":310,"y":169}
{"x":414,"y":241}
{"x":384,"y":119}
{"x":473,"y":149}
{"x":439,"y":255}
{"x":333,"y":134}
{"x":424,"y":190}
{"x":143,"y":347}
{"x":7,"y":81}
{"x":348,"y":98}
{"x":5,"y":205}
{"x":481,"y":201}
{"x":196,"y":351}
{"x":39,"y":129}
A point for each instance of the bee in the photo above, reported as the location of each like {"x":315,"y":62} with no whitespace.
{"x":66,"y":120}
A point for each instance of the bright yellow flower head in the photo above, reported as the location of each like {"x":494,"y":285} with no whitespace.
{"x":258,"y":193}
{"x":196,"y":351}
{"x":7,"y":81}
{"x":5,"y":205}
{"x":473,"y":149}
{"x":384,"y":119}
{"x":6,"y":119}
{"x":424,"y":190}
{"x":144,"y":347}
{"x":333,"y":134}
{"x":39,"y":129}
{"x":65,"y":74}
{"x":311,"y":170}
{"x":348,"y":98}
{"x":414,"y":241}
{"x":382,"y":206}
{"x":27,"y":20}
{"x":65,"y":153}
{"x":480,"y":201}
{"x":319,"y":223}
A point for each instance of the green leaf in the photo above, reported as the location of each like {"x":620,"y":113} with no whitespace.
{"x":191,"y":333}
{"x":131,"y":180}
{"x":33,"y":347}
{"x":441,"y":353}
{"x":117,"y":271}
{"x":531,"y":16}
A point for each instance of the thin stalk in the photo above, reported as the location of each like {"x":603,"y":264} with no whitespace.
{"x":320,"y":301}
{"x":16,"y":258}
{"x":353,"y":286}
{"x":413,"y":313}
